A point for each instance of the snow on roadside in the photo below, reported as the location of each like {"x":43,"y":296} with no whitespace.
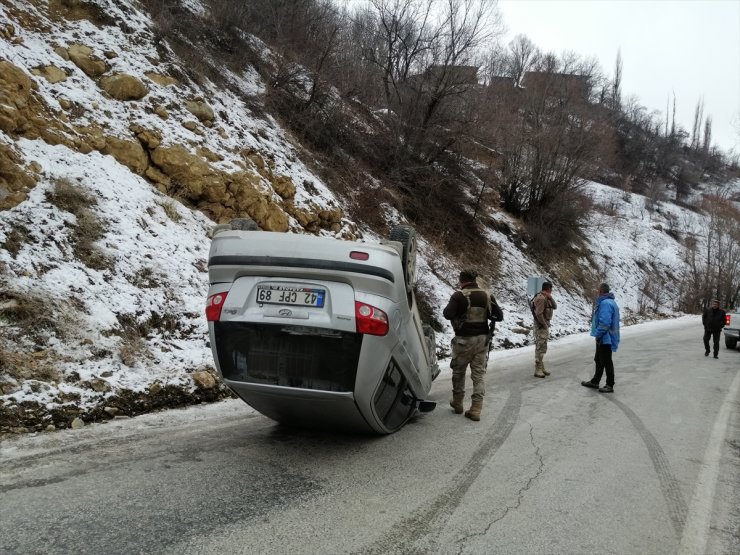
{"x":159,"y":268}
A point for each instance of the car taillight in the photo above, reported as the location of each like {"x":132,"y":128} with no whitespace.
{"x":359,"y":255}
{"x":727,"y":319}
{"x":370,"y":320}
{"x":214,"y":304}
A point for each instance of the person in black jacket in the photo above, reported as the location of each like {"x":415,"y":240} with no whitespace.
{"x":470,"y":309}
{"x":713,"y":320}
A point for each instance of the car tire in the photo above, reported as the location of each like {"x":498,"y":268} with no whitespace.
{"x":244,"y":224}
{"x":730,"y":343}
{"x":406,"y":235}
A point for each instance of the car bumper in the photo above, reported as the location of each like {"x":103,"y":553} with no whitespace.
{"x":732,"y":333}
{"x":307,"y":408}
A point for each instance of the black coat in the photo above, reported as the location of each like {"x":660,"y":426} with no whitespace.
{"x":713,"y":319}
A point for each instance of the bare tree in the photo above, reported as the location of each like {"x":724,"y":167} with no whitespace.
{"x":696,"y":129}
{"x":547,"y":136}
{"x":494,"y":63}
{"x":465,"y":28}
{"x":523,"y":54}
{"x":667,"y":115}
{"x":617,"y":83}
{"x":707,"y":134}
{"x":401,"y":33}
{"x":721,"y":265}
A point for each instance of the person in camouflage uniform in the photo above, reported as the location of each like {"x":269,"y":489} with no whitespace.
{"x":470,"y":309}
{"x":542,"y":306}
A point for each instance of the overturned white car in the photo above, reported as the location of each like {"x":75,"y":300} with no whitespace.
{"x":320,"y":332}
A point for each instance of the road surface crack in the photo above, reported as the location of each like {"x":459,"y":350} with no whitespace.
{"x":520,"y":494}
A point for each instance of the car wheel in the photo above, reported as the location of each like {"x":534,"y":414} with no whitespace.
{"x":244,"y":224}
{"x":730,"y":343}
{"x":406,"y":235}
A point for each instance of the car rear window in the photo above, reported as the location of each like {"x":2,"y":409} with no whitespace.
{"x":290,"y":356}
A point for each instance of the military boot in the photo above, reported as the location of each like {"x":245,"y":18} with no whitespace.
{"x":539,"y":370}
{"x":474,"y":411}
{"x":545,"y":371}
{"x":457,"y":402}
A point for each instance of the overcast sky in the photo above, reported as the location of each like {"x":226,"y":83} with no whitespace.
{"x":688,"y":47}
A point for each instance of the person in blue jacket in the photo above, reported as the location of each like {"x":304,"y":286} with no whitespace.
{"x":605,"y":328}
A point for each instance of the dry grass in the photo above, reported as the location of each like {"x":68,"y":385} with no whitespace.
{"x":88,"y":229}
{"x":15,"y":240}
{"x":171,"y":210}
{"x":76,"y":10}
{"x":145,"y":278}
{"x":132,"y":347}
{"x":32,"y":316}
{"x":133,"y":333}
{"x":132,"y":350}
{"x":23,"y":318}
{"x":24,"y":366}
{"x":69,"y":198}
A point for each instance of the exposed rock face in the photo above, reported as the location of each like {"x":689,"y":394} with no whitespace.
{"x":7,"y":31}
{"x":91,"y":138}
{"x":204,"y":380}
{"x":308,"y":220}
{"x":172,"y":169}
{"x":225,"y":196}
{"x":52,"y":74}
{"x":62,"y":52}
{"x":161,"y":111}
{"x":148,"y":138}
{"x":21,"y":114}
{"x":129,"y":153}
{"x":330,"y":217}
{"x":200,"y":110}
{"x":162,"y":80}
{"x":15,"y":96}
{"x":161,"y":180}
{"x":83,"y":58}
{"x":283,"y":186}
{"x":123,"y":86}
{"x":15,"y":181}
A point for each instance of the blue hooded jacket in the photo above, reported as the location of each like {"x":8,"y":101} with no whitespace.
{"x":605,"y":321}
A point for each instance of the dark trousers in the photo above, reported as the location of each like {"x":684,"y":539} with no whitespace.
{"x":603,"y":360}
{"x":715,"y":339}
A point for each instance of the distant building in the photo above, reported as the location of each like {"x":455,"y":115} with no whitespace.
{"x":565,"y":86}
{"x":462,"y":77}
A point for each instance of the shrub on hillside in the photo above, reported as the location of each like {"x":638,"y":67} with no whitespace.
{"x":88,"y":227}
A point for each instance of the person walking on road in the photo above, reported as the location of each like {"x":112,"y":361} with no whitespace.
{"x":713,"y":320}
{"x":605,"y":328}
{"x":542,"y":306}
{"x":469,"y":310}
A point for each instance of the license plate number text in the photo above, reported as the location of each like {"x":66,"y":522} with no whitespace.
{"x":287,"y":294}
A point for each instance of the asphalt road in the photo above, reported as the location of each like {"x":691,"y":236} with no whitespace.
{"x":552,"y":467}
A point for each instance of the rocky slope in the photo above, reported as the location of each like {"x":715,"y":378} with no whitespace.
{"x":114,"y":164}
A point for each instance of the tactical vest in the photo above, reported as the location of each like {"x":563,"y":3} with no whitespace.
{"x":474,"y":314}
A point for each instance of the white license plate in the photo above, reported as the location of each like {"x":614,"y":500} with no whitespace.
{"x":291,"y":294}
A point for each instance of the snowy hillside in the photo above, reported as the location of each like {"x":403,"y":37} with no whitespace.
{"x":103,"y":243}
